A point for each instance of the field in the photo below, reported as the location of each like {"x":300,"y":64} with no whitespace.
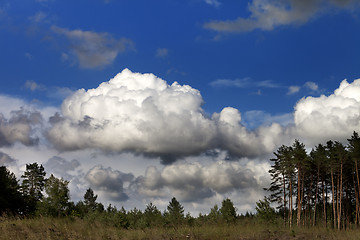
{"x":75,"y":228}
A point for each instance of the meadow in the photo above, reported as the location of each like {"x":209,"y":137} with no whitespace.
{"x":76,"y":228}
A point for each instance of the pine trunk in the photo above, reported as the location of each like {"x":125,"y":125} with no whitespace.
{"x":299,"y":198}
{"x":333,"y":196}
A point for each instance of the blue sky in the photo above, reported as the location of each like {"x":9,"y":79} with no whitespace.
{"x":264,"y":69}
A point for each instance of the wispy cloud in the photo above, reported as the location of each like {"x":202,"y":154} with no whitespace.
{"x":162,"y":52}
{"x":243,"y":83}
{"x":93,"y":49}
{"x":312,"y":86}
{"x":215,"y":3}
{"x":33,"y":86}
{"x":267,"y":15}
{"x":38,"y":17}
{"x":293,"y":89}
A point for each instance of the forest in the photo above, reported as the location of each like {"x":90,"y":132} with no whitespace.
{"x":317,"y":189}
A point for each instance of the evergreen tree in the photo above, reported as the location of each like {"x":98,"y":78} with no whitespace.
{"x":264,"y":211}
{"x":228,"y":211}
{"x":11,"y":201}
{"x":152,"y":216}
{"x":33,"y":184}
{"x":175,"y":212}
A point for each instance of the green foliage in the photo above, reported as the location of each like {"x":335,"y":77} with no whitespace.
{"x":152,"y":216}
{"x":57,"y":201}
{"x":228,"y":211}
{"x":11,"y":201}
{"x":264,"y":211}
{"x":32,"y":185}
{"x":175,"y":212}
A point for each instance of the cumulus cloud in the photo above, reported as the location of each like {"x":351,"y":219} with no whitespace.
{"x":61,"y":166}
{"x":196,"y":182}
{"x":332,"y":117}
{"x":19,"y":128}
{"x":93,"y":49}
{"x":108,"y":182}
{"x":267,"y":15}
{"x":142,"y":114}
{"x":241,"y":142}
{"x":135,"y":112}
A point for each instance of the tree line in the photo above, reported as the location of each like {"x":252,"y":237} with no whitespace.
{"x":39,"y":196}
{"x":317,"y":188}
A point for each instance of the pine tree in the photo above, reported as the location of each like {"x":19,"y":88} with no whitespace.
{"x":11,"y":201}
{"x":33,"y":184}
{"x":175,"y":212}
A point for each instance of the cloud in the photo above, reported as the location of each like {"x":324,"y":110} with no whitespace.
{"x":162,"y":52}
{"x":38,"y":17}
{"x":332,"y":117}
{"x":109,"y":182}
{"x":61,"y":166}
{"x":6,"y":160}
{"x":142,"y":114}
{"x":93,"y":49}
{"x":33,"y":86}
{"x":243,"y":83}
{"x":19,"y":128}
{"x":293,"y":89}
{"x":135,"y":112}
{"x":267,"y":15}
{"x":312,"y":86}
{"x":196,"y":182}
{"x":241,"y":142}
{"x":214,"y":3}
{"x":255,"y":118}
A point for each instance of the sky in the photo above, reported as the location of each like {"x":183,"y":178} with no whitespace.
{"x":147,"y":100}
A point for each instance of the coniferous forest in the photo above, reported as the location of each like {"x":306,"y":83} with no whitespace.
{"x":311,"y":194}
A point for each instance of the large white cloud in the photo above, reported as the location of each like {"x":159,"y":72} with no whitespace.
{"x":332,"y":117}
{"x":135,"y":112}
{"x":241,"y":142}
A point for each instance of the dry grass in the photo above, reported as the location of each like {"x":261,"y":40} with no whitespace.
{"x":73,"y":228}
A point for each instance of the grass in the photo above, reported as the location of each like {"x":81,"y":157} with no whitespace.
{"x":74,"y":228}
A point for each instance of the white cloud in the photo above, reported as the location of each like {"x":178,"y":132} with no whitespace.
{"x":241,"y":142}
{"x":312,"y":86}
{"x":267,"y":15}
{"x":93,"y":49}
{"x":332,"y":117}
{"x":135,"y":112}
